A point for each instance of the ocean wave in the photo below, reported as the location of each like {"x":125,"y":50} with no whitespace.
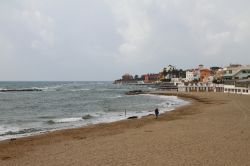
{"x":15,"y":130}
{"x":46,"y":117}
{"x":171,"y":100}
{"x":64,"y":120}
{"x":108,"y":89}
{"x":50,"y":88}
{"x":165,"y":105}
{"x":63,"y":88}
{"x":83,"y":89}
{"x":115,"y":97}
{"x":4,"y":129}
{"x":161,"y":96}
{"x":30,"y":89}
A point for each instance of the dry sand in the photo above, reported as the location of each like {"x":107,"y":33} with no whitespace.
{"x":214,"y":130}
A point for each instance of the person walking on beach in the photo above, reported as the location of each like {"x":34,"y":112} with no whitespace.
{"x":156,"y":113}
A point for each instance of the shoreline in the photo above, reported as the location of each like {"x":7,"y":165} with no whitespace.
{"x":185,"y":133}
{"x":15,"y":137}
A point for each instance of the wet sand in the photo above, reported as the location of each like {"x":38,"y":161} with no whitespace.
{"x":214,"y":130}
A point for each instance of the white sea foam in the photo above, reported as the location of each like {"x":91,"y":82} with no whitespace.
{"x":67,"y":120}
{"x":83,"y":89}
{"x":15,"y":132}
{"x":49,"y":88}
{"x":109,"y":89}
{"x":114,"y":97}
{"x":5,"y":129}
{"x":168,"y":97}
{"x":48,"y":123}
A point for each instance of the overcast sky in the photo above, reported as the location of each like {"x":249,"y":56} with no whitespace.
{"x":103,"y":39}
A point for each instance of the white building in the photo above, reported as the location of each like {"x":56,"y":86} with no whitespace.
{"x":236,"y":90}
{"x":189,"y":76}
{"x":176,"y":81}
{"x":170,"y":68}
{"x":238,"y":87}
{"x":237,"y":72}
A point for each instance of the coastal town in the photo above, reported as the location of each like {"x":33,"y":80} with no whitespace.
{"x":234,"y":78}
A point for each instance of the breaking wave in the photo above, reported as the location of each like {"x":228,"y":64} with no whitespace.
{"x":16,"y":131}
{"x":64,"y":120}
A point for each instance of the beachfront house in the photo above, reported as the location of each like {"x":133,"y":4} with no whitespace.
{"x":170,"y":68}
{"x":196,"y":75}
{"x":200,"y":67}
{"x":173,"y":73}
{"x":237,"y":79}
{"x":230,"y":71}
{"x":152,"y":78}
{"x":193,"y":75}
{"x":170,"y":71}
{"x":205,"y":75}
{"x":189,"y":75}
{"x":242,"y":72}
{"x":237,"y":87}
{"x":218,"y":76}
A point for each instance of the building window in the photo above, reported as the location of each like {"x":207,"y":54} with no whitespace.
{"x":243,"y":90}
{"x":239,"y":90}
{"x":226,"y":89}
{"x":246,"y":91}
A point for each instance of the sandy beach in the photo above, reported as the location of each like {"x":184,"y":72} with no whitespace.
{"x":213,"y":130}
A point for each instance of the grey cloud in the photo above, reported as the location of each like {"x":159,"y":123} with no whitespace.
{"x":184,"y":33}
{"x":100,"y":40}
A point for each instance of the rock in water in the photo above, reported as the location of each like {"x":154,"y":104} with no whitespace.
{"x":87,"y":116}
{"x":134,"y":92}
{"x":133,"y":117}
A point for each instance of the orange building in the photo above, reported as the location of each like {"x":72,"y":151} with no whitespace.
{"x":204,"y":74}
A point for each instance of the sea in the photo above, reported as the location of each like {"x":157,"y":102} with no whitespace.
{"x":30,"y":108}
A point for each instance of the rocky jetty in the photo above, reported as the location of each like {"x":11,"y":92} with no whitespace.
{"x":134,"y":92}
{"x":19,"y":90}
